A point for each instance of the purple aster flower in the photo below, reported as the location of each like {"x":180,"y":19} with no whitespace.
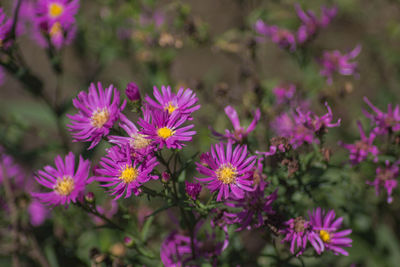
{"x":52,"y":11}
{"x":283,"y":37}
{"x":385,"y":122}
{"x":298,"y":233}
{"x":184,"y":102}
{"x":193,"y":189}
{"x":239,"y":133}
{"x":166,"y":130}
{"x":38,"y":212}
{"x":55,"y":21}
{"x":386,"y":177}
{"x":122,"y":173}
{"x":311,"y":24}
{"x":228,"y":172}
{"x":139,"y":144}
{"x":360,"y":150}
{"x":98,"y":110}
{"x":327,"y":227}
{"x":66,"y":185}
{"x":302,"y":127}
{"x":335,"y":61}
{"x":284,"y":94}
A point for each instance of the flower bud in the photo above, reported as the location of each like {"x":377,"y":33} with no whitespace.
{"x":128,"y":241}
{"x":89,"y":197}
{"x":165,"y":176}
{"x":132,"y":92}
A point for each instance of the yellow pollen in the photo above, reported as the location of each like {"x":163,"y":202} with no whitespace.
{"x":227,"y":174}
{"x":55,"y":10}
{"x":325,"y":236}
{"x":171,"y":108}
{"x":64,"y":185}
{"x":100,"y":117}
{"x":165,"y":132}
{"x":129,"y":174}
{"x":139,"y":141}
{"x":55,"y":29}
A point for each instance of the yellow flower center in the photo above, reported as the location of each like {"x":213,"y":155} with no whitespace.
{"x":139,"y":141}
{"x":227,"y":174}
{"x":165,"y":132}
{"x":129,"y":174}
{"x":64,"y":185}
{"x":171,"y":108}
{"x":325,"y":236}
{"x":55,"y":10}
{"x":56,"y":29}
{"x":100,"y":117}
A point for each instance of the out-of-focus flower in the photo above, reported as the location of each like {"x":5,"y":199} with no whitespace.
{"x":385,"y":122}
{"x":336,"y":62}
{"x":283,"y":94}
{"x":239,"y":133}
{"x":66,"y":184}
{"x":228,"y":171}
{"x":184,"y":102}
{"x":5,"y":30}
{"x":123,"y":174}
{"x":302,"y":127}
{"x":38,"y":212}
{"x":155,"y":17}
{"x":311,"y":24}
{"x":386,"y":177}
{"x":140,"y":144}
{"x":108,"y":209}
{"x":327,"y":227}
{"x":193,"y":189}
{"x":132,"y":92}
{"x":298,"y":233}
{"x":166,"y":130}
{"x":283,"y":37}
{"x":252,"y":208}
{"x":360,"y":150}
{"x":176,"y":250}
{"x":98,"y":111}
{"x":54,"y":20}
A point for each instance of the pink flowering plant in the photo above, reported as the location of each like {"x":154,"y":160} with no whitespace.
{"x":144,"y":133}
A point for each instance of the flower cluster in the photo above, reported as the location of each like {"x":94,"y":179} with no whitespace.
{"x":322,"y":231}
{"x":309,"y":26}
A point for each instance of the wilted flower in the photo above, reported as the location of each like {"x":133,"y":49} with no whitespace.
{"x":277,"y":144}
{"x":193,"y":189}
{"x":184,"y":102}
{"x":66,"y":184}
{"x":335,"y":61}
{"x":239,"y":133}
{"x":283,"y":37}
{"x":122,"y":173}
{"x":385,"y":122}
{"x":327,"y":227}
{"x":228,"y":172}
{"x":98,"y":111}
{"x":386,"y":177}
{"x":360,"y":150}
{"x":166,"y":130}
